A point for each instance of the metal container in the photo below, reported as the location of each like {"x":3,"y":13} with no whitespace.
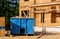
{"x":27,"y":26}
{"x":22,"y":25}
{"x":15,"y":25}
{"x":30,"y":26}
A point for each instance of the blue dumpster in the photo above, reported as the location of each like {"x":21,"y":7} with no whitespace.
{"x":27,"y":26}
{"x":15,"y":28}
{"x":22,"y":25}
{"x":30,"y":26}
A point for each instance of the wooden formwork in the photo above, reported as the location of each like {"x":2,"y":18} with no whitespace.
{"x":2,"y":21}
{"x":48,"y":17}
{"x":2,"y":26}
{"x":2,"y":32}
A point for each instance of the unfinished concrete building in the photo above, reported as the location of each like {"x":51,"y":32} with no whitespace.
{"x":43,"y":11}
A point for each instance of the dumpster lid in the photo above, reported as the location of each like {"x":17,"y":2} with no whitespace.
{"x":22,"y":18}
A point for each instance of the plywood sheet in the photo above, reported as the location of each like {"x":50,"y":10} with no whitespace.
{"x":2,"y":21}
{"x":2,"y":32}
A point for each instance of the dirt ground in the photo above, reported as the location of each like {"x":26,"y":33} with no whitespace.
{"x":44,"y":36}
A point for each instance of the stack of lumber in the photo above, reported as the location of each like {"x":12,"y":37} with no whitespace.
{"x":2,"y":26}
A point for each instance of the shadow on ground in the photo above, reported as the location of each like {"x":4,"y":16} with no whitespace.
{"x":36,"y":34}
{"x":44,"y":33}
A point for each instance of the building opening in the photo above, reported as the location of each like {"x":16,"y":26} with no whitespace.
{"x":25,"y":13}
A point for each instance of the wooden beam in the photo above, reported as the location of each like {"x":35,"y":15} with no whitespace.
{"x":45,"y":4}
{"x":46,"y":11}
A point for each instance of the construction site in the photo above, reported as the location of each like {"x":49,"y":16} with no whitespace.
{"x":37,"y":19}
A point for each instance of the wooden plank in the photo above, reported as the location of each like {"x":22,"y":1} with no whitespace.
{"x":37,"y":19}
{"x":2,"y":32}
{"x":45,"y":4}
{"x":2,"y":21}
